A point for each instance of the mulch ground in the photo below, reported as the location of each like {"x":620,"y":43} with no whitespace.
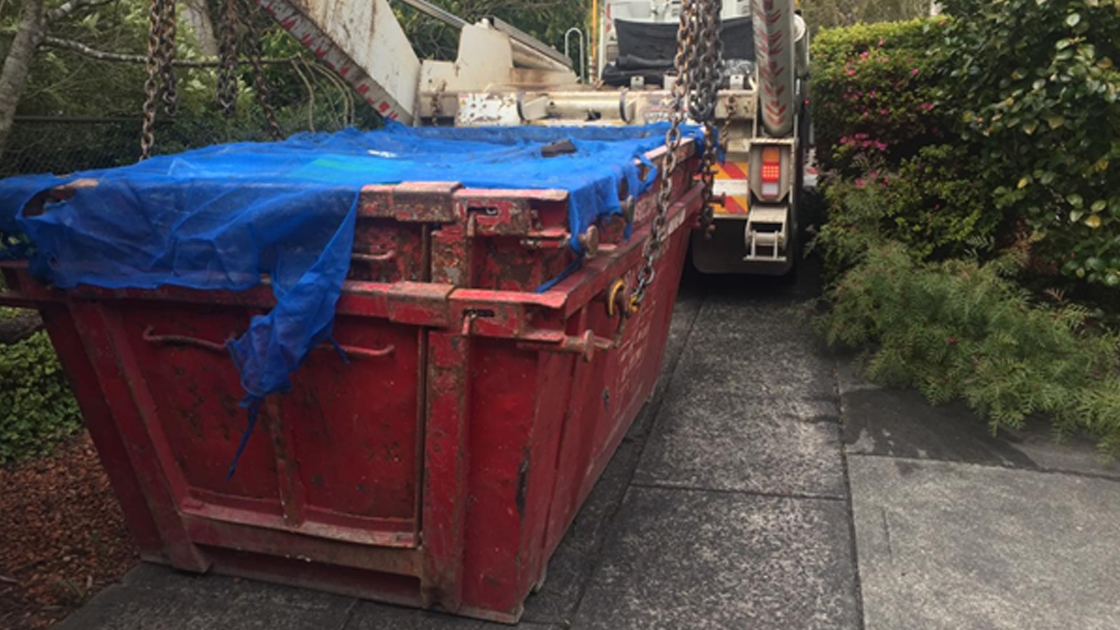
{"x":62,"y":536}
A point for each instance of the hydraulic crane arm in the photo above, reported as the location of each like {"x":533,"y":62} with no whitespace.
{"x":364,"y":43}
{"x":781,"y":52}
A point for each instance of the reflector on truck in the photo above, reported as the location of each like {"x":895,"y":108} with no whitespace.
{"x":731,"y":182}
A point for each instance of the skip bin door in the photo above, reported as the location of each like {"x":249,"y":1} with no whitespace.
{"x":337,"y":457}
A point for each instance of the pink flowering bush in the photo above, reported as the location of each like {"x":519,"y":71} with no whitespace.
{"x":884,"y":132}
{"x":875,"y":91}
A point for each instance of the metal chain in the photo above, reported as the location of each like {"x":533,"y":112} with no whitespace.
{"x":227,"y":58}
{"x":704,"y":106}
{"x":151,"y":85}
{"x":260,"y":83}
{"x":687,"y":31}
{"x":168,"y":32}
{"x":697,"y":66}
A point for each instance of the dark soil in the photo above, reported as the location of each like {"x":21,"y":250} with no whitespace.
{"x":62,"y":535}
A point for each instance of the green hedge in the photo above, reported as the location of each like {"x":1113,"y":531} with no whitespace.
{"x":37,"y":407}
{"x":964,"y":160}
{"x":1039,"y":87}
{"x":928,"y":202}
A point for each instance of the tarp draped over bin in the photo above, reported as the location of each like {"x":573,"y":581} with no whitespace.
{"x":220,"y":217}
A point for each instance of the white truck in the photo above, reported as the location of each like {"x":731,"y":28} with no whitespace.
{"x":504,"y":77}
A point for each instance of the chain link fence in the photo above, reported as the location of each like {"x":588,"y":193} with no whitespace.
{"x":60,"y":145}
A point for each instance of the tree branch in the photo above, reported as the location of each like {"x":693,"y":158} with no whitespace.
{"x":64,"y":9}
{"x":101,"y":55}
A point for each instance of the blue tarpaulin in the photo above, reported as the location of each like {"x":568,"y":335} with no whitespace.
{"x":220,"y":217}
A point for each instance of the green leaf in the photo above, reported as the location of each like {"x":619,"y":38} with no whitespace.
{"x":1099,"y":205}
{"x":1072,"y":19}
{"x":1075,"y":215}
{"x":1075,"y":200}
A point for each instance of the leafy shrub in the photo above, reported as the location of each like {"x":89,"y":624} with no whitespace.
{"x":834,"y":13}
{"x":874,"y":89}
{"x":930,"y":203}
{"x":37,"y":407}
{"x":1040,"y":88}
{"x":959,"y":329}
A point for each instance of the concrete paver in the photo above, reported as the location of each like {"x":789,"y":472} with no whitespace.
{"x":718,"y":530}
{"x":721,"y":440}
{"x":694,"y":559}
{"x":123,"y":607}
{"x":950,"y":545}
{"x":373,"y":616}
{"x":900,"y":423}
{"x":759,"y":368}
{"x":960,"y":528}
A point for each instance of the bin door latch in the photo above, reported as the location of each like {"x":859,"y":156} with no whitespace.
{"x":584,"y":345}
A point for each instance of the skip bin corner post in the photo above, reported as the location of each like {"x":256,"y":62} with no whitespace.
{"x":445,"y":468}
{"x":120,"y":379}
{"x":97,"y":416}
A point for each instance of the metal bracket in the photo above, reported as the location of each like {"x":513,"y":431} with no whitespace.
{"x":584,"y":345}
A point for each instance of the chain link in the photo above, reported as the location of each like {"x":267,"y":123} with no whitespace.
{"x":227,"y":58}
{"x":168,"y":32}
{"x":153,"y":65}
{"x":682,"y":64}
{"x":696,"y":85}
{"x":704,"y":106}
{"x":260,"y":82}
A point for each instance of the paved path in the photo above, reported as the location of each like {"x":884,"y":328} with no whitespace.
{"x":765,"y":487}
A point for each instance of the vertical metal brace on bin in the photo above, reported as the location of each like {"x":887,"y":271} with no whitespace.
{"x":445,"y":378}
{"x":447,"y":458}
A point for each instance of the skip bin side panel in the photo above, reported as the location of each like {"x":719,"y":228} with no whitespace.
{"x":355,"y":427}
{"x":537,"y":476}
{"x":517,"y":402}
{"x":624,"y":378}
{"x":197,"y":422}
{"x":335,"y":458}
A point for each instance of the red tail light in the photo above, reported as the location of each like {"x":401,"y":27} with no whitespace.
{"x":771,"y":172}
